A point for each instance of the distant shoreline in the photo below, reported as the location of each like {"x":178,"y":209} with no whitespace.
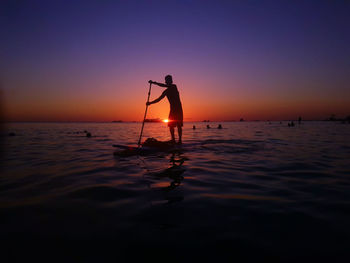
{"x":121,"y":122}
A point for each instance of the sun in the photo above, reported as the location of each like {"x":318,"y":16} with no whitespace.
{"x":166,"y":120}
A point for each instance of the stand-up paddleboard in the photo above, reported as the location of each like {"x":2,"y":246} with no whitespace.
{"x":150,"y":146}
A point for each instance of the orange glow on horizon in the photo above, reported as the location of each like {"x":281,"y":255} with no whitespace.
{"x":127,"y":103}
{"x":166,"y":120}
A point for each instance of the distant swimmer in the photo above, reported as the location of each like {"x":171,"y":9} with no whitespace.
{"x":194,"y":127}
{"x":219,"y":127}
{"x":208,"y":127}
{"x":176,"y":114}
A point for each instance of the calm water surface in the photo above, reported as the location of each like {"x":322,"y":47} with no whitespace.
{"x":252,"y":190}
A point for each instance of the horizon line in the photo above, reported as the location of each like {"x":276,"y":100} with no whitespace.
{"x":204,"y":121}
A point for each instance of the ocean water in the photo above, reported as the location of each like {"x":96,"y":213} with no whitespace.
{"x":255,"y":191}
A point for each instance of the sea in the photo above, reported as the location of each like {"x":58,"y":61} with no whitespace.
{"x":249,"y":192}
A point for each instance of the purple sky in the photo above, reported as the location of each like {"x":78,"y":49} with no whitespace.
{"x":91,"y":60}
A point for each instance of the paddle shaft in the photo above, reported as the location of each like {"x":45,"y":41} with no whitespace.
{"x":144,"y":118}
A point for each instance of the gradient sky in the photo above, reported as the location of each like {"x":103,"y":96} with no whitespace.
{"x":91,"y":60}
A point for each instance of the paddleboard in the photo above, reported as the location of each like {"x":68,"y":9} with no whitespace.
{"x":148,"y":147}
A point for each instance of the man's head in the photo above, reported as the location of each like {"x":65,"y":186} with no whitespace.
{"x":168,"y":79}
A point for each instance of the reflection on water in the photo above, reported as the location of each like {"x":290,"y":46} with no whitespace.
{"x":163,"y":174}
{"x":250,"y":186}
{"x":174,"y":172}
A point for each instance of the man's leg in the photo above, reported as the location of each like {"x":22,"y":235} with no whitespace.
{"x":179,"y":131}
{"x":172,"y":132}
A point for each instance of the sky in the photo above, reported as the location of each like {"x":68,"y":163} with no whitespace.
{"x":257,"y":60}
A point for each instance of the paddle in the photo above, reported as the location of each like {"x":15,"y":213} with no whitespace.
{"x":144,"y":118}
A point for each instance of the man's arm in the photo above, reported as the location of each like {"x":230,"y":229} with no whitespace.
{"x":159,"y":84}
{"x":157,"y":100}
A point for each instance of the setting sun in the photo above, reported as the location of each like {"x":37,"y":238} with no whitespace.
{"x":166,"y":120}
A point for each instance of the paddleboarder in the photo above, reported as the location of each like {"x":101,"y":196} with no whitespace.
{"x":176,"y":115}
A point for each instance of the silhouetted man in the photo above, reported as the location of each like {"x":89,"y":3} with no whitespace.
{"x":175,"y":115}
